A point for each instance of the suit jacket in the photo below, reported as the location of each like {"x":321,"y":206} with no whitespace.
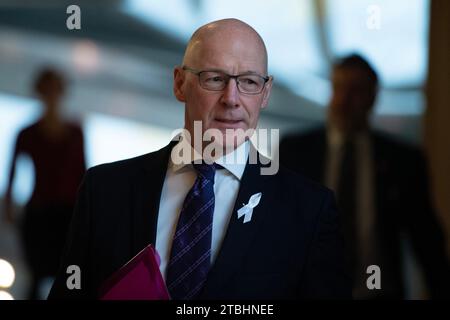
{"x":402,"y":203}
{"x":290,"y":249}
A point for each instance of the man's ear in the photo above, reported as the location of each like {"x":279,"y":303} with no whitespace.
{"x":178,"y":83}
{"x":266,"y":93}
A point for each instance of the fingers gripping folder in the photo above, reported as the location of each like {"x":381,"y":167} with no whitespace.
{"x":139,"y":279}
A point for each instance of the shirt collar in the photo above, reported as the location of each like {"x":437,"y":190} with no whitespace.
{"x":237,"y":160}
{"x":234,"y":161}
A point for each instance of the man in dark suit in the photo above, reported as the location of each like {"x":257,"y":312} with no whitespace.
{"x":284,"y":245}
{"x":381,"y":186}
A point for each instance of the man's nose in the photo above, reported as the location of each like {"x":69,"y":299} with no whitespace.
{"x":230,"y":95}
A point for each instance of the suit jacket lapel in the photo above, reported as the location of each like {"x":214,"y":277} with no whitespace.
{"x":239,"y":235}
{"x":146,"y":194}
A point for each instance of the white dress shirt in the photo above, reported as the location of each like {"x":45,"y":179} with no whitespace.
{"x":179,"y":180}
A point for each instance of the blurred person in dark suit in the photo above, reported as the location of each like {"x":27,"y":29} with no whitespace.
{"x":381,"y":185}
{"x":56,"y":149}
{"x":288,"y":248}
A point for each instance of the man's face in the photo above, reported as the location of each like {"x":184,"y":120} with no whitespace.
{"x":352,"y":99}
{"x":229,"y":108}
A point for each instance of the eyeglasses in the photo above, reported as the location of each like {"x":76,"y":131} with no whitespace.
{"x":248,"y":83}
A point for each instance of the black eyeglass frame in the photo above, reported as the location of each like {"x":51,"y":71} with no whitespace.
{"x":235,"y":77}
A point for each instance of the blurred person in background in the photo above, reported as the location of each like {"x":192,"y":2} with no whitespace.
{"x":56,"y":149}
{"x":381,"y":186}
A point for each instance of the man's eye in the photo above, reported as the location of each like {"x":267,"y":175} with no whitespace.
{"x":215,"y":79}
{"x":248,"y":81}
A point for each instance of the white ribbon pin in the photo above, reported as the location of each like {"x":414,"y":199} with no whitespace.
{"x":247,"y":209}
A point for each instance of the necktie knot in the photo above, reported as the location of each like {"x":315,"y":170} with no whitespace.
{"x":206,"y":171}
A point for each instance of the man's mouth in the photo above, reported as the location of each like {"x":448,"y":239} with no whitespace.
{"x":224,"y":123}
{"x":229,"y":121}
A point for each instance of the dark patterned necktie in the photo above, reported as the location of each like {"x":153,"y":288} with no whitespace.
{"x":190,"y":257}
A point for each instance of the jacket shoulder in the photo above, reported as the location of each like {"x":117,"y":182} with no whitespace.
{"x":121,"y":166}
{"x":124,"y":169}
{"x":397,"y":148}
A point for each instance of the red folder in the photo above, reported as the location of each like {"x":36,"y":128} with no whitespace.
{"x":139,"y":279}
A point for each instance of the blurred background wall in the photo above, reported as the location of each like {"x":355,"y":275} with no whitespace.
{"x":120,"y":63}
